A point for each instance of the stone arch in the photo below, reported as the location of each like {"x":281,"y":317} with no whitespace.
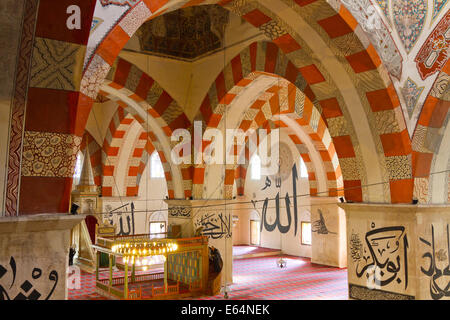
{"x":266,"y":57}
{"x":95,"y":152}
{"x":285,"y":99}
{"x":112,"y":143}
{"x":152,"y":143}
{"x":353,"y":58}
{"x":156,"y":111}
{"x":429,"y":134}
{"x":144,"y":147}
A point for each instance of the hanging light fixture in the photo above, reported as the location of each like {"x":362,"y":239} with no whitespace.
{"x":281,"y":263}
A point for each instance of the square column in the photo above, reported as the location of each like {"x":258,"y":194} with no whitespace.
{"x":34,"y":254}
{"x":329,"y":246}
{"x":398,"y":251}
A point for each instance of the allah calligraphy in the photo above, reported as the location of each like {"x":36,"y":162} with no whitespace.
{"x":277,"y":223}
{"x":215,"y":226}
{"x":26,"y":289}
{"x":319,"y":226}
{"x":438,"y":272}
{"x":384,"y":258}
{"x":123,"y":212}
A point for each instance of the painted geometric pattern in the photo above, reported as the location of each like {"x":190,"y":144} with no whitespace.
{"x":384,"y":5}
{"x":435,"y":51}
{"x":411,"y":93}
{"x":130,"y":3}
{"x":437,"y":7}
{"x":409,"y":19}
{"x":184,"y":267}
{"x":49,"y":154}
{"x":95,"y":152}
{"x":377,"y":33}
{"x":56,"y":64}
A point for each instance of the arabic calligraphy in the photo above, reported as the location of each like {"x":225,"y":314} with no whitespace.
{"x":439,"y":276}
{"x":215,"y":226}
{"x":277,"y":224}
{"x":123,"y":212}
{"x":356,"y":247}
{"x":383,"y":260}
{"x":179,"y":212}
{"x":26,"y":287}
{"x":319,"y":226}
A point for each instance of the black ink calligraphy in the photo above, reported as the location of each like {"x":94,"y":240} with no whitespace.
{"x":26,"y":286}
{"x":385,"y":256}
{"x":438,"y":276}
{"x":319,"y":226}
{"x":277,"y":224}
{"x":215,"y":226}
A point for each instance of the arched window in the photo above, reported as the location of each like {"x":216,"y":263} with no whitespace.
{"x":256,"y":167}
{"x":303,"y":169}
{"x":78,"y":168}
{"x":156,"y":168}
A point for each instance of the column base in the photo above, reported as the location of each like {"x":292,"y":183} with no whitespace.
{"x":398,"y":251}
{"x":34,"y":253}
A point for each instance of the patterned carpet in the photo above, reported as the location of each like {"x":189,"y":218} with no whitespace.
{"x":244,"y":250}
{"x":260,"y":278}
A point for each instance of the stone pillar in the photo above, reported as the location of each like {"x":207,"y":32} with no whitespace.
{"x":329,"y":245}
{"x":216,"y":223}
{"x":34,"y":255}
{"x":398,"y":251}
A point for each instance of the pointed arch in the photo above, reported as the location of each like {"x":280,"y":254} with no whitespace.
{"x":95,"y":152}
{"x":351,"y":75}
{"x":428,"y":135}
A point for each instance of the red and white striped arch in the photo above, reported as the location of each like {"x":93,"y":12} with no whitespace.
{"x":427,"y":142}
{"x":241,"y":169}
{"x":285,"y":100}
{"x":146,"y":143}
{"x":327,"y":53}
{"x":156,"y":111}
{"x":95,"y":152}
{"x":112,"y":144}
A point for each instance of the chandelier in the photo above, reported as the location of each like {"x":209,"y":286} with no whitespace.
{"x":134,"y":250}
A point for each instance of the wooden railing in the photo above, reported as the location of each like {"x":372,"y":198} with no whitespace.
{"x":149,"y":277}
{"x":161,"y":291}
{"x":195,"y":285}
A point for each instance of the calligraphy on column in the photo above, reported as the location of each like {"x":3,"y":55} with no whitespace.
{"x":26,"y":288}
{"x":438,"y":267}
{"x":319,"y":225}
{"x":384,"y":258}
{"x":215,"y":226}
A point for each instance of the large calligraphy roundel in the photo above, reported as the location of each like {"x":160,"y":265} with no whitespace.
{"x":286,"y":161}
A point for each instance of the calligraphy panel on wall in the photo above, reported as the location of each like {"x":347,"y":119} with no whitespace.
{"x":434,"y":260}
{"x":381,"y":260}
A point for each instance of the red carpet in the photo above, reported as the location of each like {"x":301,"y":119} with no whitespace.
{"x":260,"y":278}
{"x":244,"y":250}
